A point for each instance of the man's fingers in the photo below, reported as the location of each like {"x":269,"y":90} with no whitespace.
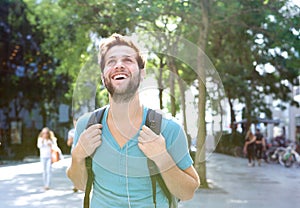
{"x":94,"y":130}
{"x":140,"y":145}
{"x":147,"y":139}
{"x":147,"y":130}
{"x":94,"y":126}
{"x":98,"y":143}
{"x":90,"y":139}
{"x":141,"y":139}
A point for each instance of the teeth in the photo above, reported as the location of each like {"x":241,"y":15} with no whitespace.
{"x":119,"y":76}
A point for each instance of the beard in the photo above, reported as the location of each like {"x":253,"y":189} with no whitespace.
{"x":125,"y":94}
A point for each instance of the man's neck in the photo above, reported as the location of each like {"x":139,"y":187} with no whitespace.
{"x":124,"y":119}
{"x":127,"y":112}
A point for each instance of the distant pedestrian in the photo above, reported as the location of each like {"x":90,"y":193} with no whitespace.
{"x":260,"y":146}
{"x":249,"y":147}
{"x":71,"y":134}
{"x":45,"y":144}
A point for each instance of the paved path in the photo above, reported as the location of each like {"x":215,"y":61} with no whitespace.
{"x":233,"y":185}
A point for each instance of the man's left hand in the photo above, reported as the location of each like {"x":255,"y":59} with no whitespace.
{"x":151,"y":144}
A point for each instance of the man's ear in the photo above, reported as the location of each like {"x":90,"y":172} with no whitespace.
{"x":143,"y":74}
{"x":102,"y":79}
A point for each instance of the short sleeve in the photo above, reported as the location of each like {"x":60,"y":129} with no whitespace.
{"x":177,"y":143}
{"x":80,"y":126}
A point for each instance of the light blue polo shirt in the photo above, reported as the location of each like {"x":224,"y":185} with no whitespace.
{"x":121,"y":174}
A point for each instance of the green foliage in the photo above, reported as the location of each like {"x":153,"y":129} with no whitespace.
{"x":27,"y":73}
{"x":251,"y":36}
{"x":242,"y":35}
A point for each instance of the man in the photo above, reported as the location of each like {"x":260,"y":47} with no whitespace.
{"x":249,"y":147}
{"x":121,"y":145}
{"x":71,"y":134}
{"x":70,"y":140}
{"x":260,"y":146}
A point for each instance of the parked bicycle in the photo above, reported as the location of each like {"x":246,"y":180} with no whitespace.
{"x":290,"y":156}
{"x":275,"y":154}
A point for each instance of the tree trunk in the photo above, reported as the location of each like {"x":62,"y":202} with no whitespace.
{"x":232,"y":116}
{"x":200,"y":163}
{"x":172,"y":85}
{"x":44,"y":115}
{"x":160,"y":83}
{"x":182,"y":89}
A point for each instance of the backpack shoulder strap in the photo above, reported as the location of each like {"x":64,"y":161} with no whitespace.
{"x":153,"y":121}
{"x":96,"y":117}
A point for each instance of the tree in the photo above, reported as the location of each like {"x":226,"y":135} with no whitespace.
{"x":26,"y":71}
{"x":254,"y":29}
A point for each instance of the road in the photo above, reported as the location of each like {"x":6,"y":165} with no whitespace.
{"x":232,"y":185}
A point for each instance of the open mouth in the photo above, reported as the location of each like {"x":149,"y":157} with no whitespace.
{"x":119,"y":76}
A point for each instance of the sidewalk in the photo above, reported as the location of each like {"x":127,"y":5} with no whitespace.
{"x":233,"y":184}
{"x":21,"y":186}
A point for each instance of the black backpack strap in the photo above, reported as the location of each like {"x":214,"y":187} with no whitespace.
{"x":89,"y":183}
{"x":96,"y":117}
{"x":153,"y":121}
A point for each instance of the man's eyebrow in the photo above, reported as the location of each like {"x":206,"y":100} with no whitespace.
{"x":123,"y":56}
{"x":111,"y":57}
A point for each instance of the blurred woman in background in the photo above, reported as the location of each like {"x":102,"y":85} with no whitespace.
{"x":45,"y":143}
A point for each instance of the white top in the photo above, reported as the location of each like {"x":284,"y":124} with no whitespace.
{"x":71,"y":133}
{"x":45,"y":146}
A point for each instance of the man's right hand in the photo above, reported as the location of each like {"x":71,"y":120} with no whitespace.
{"x":88,"y":141}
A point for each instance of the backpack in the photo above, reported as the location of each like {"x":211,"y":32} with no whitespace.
{"x":153,"y":121}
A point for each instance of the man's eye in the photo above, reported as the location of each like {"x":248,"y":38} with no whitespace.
{"x":110,"y":62}
{"x":128,"y":60}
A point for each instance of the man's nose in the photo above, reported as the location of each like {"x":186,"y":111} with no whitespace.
{"x":119,"y":64}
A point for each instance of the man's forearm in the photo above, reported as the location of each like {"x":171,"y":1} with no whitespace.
{"x":182,"y":184}
{"x":77,"y":172}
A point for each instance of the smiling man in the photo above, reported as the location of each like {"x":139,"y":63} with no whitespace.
{"x":121,"y":144}
{"x":121,"y":74}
